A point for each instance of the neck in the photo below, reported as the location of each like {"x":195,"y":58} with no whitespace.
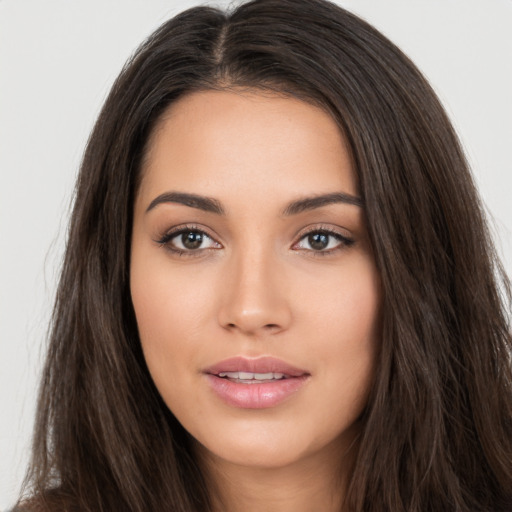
{"x":313,"y":483}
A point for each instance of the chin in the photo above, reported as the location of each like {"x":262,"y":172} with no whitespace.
{"x":256,"y":455}
{"x":258,"y":447}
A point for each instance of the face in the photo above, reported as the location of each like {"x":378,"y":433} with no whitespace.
{"x":253,"y":282}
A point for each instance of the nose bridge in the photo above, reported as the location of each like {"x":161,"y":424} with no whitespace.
{"x":255,"y":299}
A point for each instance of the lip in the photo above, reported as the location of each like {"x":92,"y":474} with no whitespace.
{"x":256,"y":395}
{"x":257,"y":365}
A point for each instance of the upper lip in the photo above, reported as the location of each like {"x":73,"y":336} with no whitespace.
{"x":256,"y":365}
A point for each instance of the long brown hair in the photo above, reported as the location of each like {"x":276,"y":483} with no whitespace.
{"x":437,"y":429}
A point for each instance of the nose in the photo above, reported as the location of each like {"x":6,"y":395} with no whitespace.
{"x":254,"y":301}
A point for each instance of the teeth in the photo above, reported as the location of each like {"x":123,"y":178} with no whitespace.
{"x":252,"y":376}
{"x":229,"y":375}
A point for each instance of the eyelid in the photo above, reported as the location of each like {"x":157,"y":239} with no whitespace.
{"x":165,"y":239}
{"x":345,"y":239}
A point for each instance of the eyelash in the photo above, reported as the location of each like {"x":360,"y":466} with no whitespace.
{"x":165,"y":241}
{"x":344,"y":241}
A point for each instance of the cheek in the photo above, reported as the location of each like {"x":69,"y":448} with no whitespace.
{"x":166,"y":298}
{"x":170,"y":312}
{"x":347,"y":318}
{"x":347,"y":305}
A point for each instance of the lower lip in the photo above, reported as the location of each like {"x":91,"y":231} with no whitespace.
{"x":258,"y":395}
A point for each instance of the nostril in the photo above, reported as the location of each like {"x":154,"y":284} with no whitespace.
{"x":265,"y":327}
{"x":268,"y":318}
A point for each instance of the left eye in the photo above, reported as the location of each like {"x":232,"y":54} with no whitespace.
{"x":322,"y":241}
{"x":190,"y":240}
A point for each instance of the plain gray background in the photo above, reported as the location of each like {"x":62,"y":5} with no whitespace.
{"x":57,"y":61}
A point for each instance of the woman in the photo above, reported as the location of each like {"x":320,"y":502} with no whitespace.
{"x":279,"y":291}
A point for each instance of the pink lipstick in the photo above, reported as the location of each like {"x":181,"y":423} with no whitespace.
{"x":255,"y":383}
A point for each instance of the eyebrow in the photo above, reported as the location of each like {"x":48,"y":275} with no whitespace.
{"x":206,"y":204}
{"x":310,"y":203}
{"x":209,"y":204}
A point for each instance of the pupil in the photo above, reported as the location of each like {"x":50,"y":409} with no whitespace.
{"x":192,"y":239}
{"x":318,"y":241}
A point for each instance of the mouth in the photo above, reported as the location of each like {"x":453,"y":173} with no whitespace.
{"x":255,"y":383}
{"x":252,"y":378}
{"x":260,"y":369}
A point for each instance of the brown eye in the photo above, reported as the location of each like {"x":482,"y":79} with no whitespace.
{"x":323,"y":241}
{"x":318,"y":241}
{"x":192,"y":240}
{"x":188,"y":240}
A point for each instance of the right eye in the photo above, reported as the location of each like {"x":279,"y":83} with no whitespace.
{"x":188,"y":240}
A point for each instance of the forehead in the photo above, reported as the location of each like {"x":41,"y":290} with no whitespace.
{"x":216,"y":141}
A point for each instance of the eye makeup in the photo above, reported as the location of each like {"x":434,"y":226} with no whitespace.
{"x":192,"y":240}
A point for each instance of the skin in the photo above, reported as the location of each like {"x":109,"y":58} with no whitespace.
{"x":254,"y":287}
